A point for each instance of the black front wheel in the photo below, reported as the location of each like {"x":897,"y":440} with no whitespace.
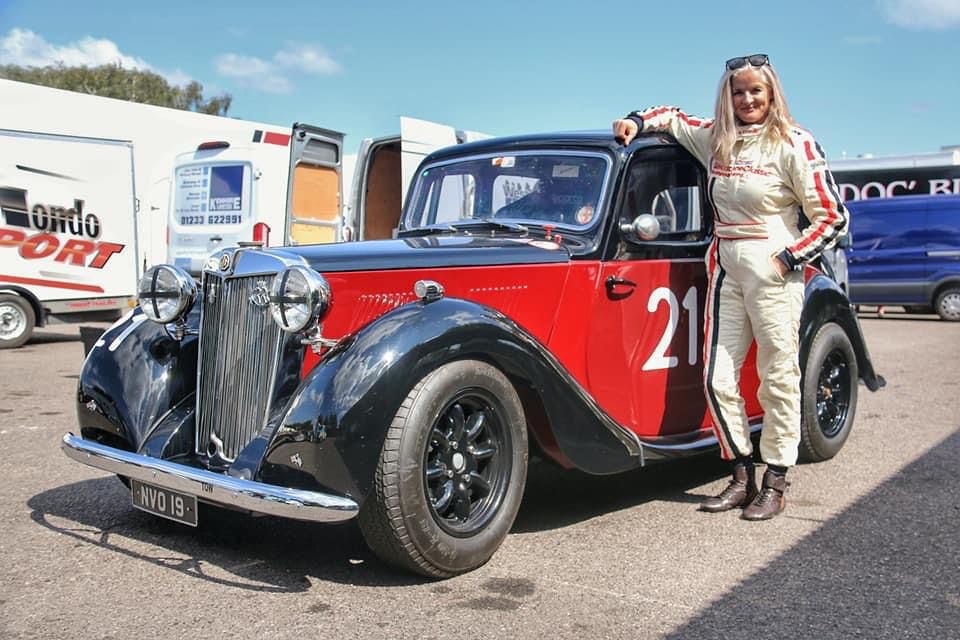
{"x":829,"y":394}
{"x":451,"y":472}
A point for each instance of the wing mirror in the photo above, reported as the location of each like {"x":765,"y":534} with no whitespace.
{"x":645,"y":227}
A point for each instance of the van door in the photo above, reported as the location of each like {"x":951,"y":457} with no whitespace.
{"x":888,"y":259}
{"x":313,"y":212}
{"x":385,"y":168}
{"x":211,"y":205}
{"x":943,"y":241}
{"x":418,"y":139}
{"x":377,"y":195}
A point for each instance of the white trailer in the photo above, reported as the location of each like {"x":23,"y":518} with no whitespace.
{"x":158,"y":136}
{"x":68,"y":242}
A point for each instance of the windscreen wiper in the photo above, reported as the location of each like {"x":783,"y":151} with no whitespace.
{"x":490,"y":224}
{"x":429,"y":231}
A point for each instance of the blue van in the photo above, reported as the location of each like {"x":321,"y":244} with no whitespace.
{"x":906,"y":251}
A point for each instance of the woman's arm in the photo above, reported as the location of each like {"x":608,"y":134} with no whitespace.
{"x":691,"y":132}
{"x":817,"y":192}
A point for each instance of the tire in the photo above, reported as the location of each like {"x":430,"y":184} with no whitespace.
{"x":17,"y":321}
{"x":829,"y":402}
{"x":948,"y":304}
{"x":463,"y":420}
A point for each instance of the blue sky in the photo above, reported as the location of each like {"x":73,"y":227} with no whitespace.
{"x":866,"y":76}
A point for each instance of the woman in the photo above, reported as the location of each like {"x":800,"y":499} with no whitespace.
{"x":762,"y":169}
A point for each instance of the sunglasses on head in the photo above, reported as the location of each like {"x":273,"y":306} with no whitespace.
{"x":757,"y":60}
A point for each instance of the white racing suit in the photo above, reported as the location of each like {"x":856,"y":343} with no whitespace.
{"x":756,"y":200}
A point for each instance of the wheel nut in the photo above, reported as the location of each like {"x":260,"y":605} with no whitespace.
{"x":450,"y":473}
{"x":466,"y":478}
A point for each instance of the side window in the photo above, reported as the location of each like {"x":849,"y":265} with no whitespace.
{"x":670,"y":187}
{"x":447,"y":199}
{"x":457,"y":196}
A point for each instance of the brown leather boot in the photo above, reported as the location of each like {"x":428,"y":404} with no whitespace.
{"x":770,"y":501}
{"x":740,"y":492}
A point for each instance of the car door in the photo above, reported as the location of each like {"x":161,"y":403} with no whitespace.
{"x":645,"y":344}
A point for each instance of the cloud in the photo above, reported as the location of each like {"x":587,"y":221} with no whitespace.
{"x":922,"y":14}
{"x":25,"y":48}
{"x":271,"y":75}
{"x":307,"y":59}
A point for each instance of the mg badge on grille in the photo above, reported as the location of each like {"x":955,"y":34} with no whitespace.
{"x":261,"y":294}
{"x":225,"y":262}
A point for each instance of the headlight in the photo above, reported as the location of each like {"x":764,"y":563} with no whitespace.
{"x":166,"y":293}
{"x":298,"y":298}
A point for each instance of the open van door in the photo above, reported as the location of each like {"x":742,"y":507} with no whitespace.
{"x":384,"y":169}
{"x":418,"y":139}
{"x":314,"y":188}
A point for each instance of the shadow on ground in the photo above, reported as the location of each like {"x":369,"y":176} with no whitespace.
{"x":887,"y":567}
{"x":278,"y":555}
{"x":556,"y":497}
{"x":48,"y":337}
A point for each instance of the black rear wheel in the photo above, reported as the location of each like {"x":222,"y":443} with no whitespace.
{"x":829,"y":394}
{"x":451,"y":473}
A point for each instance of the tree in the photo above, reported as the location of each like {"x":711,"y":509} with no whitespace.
{"x":114,"y":81}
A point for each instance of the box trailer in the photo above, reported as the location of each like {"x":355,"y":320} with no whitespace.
{"x":68,"y":241}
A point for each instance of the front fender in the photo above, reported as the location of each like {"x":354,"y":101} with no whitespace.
{"x":134,"y":375}
{"x":826,"y":302}
{"x":335,"y":425}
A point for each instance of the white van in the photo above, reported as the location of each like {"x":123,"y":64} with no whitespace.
{"x":288,"y":189}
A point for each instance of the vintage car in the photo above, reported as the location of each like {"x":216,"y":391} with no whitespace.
{"x":544,"y":295}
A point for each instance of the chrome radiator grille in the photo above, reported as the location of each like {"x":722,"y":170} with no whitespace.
{"x":239,"y":348}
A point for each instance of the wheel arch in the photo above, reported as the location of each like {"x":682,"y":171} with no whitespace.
{"x":948,"y":282}
{"x":825,"y":302}
{"x":341,"y":412}
{"x":39,"y":313}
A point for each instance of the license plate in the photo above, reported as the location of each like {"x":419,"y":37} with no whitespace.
{"x":179,"y":507}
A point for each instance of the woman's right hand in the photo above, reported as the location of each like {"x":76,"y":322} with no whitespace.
{"x":624,"y":131}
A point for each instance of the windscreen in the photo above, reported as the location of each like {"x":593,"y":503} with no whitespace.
{"x":542,"y":188}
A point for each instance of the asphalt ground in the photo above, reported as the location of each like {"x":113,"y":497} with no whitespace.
{"x":869,"y":546}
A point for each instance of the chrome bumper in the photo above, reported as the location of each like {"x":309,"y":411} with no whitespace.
{"x":212,"y":487}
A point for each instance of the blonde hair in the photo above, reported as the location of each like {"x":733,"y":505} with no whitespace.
{"x":778,"y":119}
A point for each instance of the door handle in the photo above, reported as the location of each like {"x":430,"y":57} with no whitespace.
{"x":614,"y":282}
{"x":216,"y":239}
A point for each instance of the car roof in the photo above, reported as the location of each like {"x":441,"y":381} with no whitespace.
{"x":602,"y":139}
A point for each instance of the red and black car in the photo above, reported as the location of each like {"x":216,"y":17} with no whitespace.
{"x":544,"y":293}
